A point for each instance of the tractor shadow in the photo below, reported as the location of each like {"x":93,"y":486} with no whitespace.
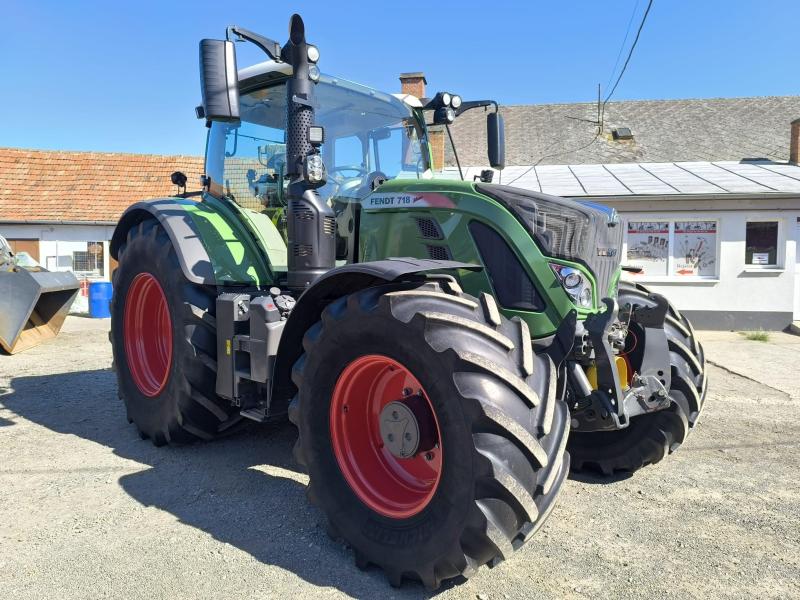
{"x":243,"y":490}
{"x":597,"y":478}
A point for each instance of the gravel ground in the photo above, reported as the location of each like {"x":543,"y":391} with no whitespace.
{"x":88,"y":510}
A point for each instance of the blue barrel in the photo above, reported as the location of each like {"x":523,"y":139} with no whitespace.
{"x":100,"y":299}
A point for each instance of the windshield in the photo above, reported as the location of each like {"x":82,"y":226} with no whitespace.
{"x":366,"y":133}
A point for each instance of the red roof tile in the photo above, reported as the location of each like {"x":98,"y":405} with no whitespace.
{"x":41,"y":185}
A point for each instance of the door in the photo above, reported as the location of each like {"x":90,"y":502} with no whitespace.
{"x":31,"y":246}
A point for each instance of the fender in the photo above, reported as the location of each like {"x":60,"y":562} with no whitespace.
{"x":330,"y":286}
{"x":173,"y":217}
{"x":214,"y":244}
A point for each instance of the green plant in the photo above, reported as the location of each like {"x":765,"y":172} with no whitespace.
{"x":757,"y":336}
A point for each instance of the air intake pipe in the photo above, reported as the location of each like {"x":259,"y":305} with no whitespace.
{"x":311,"y":222}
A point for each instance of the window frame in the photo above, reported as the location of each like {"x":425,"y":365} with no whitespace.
{"x":779,"y":264}
{"x":671,"y":277}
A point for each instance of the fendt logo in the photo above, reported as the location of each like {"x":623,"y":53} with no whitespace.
{"x":407,"y":200}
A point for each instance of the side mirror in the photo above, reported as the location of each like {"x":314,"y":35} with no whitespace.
{"x":496,"y":140}
{"x":219,"y":81}
{"x":178,"y":178}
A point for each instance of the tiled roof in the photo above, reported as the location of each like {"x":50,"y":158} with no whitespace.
{"x":719,"y":178}
{"x":663,"y":131}
{"x":39,"y":185}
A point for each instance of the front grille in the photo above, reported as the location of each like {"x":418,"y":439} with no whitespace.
{"x":329,"y":225}
{"x":605,"y":267}
{"x":303,"y":249}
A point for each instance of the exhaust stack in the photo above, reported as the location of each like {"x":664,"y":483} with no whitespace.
{"x":311,"y":222}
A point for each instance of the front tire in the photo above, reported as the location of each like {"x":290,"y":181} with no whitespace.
{"x":651,"y":437}
{"x":499,"y":459}
{"x":163,"y":334}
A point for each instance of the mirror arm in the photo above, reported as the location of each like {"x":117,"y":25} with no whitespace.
{"x":470,"y":104}
{"x":270,"y":47}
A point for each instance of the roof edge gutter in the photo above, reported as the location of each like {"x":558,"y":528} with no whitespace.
{"x":678,"y":196}
{"x":47,"y":222}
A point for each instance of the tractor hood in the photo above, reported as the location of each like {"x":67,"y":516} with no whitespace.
{"x":582,"y":232}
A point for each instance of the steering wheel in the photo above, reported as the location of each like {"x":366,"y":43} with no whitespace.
{"x":358,"y":169}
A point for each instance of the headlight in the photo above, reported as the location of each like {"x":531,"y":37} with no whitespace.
{"x":446,"y":98}
{"x":455,"y":102}
{"x":314,"y":169}
{"x":313,"y":53}
{"x":575,"y":283}
{"x":573,"y":280}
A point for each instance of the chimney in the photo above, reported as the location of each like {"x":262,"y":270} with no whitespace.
{"x":413,"y":83}
{"x":794,"y":142}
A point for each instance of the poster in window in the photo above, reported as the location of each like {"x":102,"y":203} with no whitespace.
{"x":695,"y":248}
{"x":760,"y":258}
{"x":648,"y":246}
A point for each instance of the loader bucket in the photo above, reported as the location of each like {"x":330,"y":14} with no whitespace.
{"x":33,"y":306}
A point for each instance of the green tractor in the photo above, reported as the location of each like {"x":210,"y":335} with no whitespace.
{"x":443,"y":346}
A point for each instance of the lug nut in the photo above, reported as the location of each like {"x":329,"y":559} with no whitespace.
{"x":429,"y":456}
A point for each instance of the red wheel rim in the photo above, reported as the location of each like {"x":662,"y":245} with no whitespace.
{"x":391,"y":486}
{"x":148,"y":334}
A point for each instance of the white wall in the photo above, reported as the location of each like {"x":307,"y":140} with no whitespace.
{"x":55,"y":240}
{"x":737,"y":287}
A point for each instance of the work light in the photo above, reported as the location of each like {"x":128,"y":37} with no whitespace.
{"x":313,"y":53}
{"x":455,"y":101}
{"x":316,"y":135}
{"x":314,"y":169}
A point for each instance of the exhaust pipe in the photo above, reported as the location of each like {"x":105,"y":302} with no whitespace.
{"x":311,"y":222}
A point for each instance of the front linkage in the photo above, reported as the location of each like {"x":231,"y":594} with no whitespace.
{"x":634,"y":336}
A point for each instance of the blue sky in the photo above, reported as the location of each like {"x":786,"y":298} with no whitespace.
{"x":123,"y":77}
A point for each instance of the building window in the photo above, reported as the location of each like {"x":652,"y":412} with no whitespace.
{"x":89,"y":262}
{"x":673,"y":249}
{"x":695,"y":248}
{"x":761,"y":244}
{"x":648,"y":246}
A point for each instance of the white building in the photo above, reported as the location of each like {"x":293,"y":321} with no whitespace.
{"x":61,"y":207}
{"x":721,"y":239}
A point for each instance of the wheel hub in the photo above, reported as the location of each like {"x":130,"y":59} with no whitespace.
{"x":407,"y":426}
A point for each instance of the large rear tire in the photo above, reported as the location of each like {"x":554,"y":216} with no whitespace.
{"x":163,"y":334}
{"x":651,"y":437}
{"x":499,"y":461}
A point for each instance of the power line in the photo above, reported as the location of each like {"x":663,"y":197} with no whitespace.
{"x":622,"y":45}
{"x":608,"y":97}
{"x":627,"y":60}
